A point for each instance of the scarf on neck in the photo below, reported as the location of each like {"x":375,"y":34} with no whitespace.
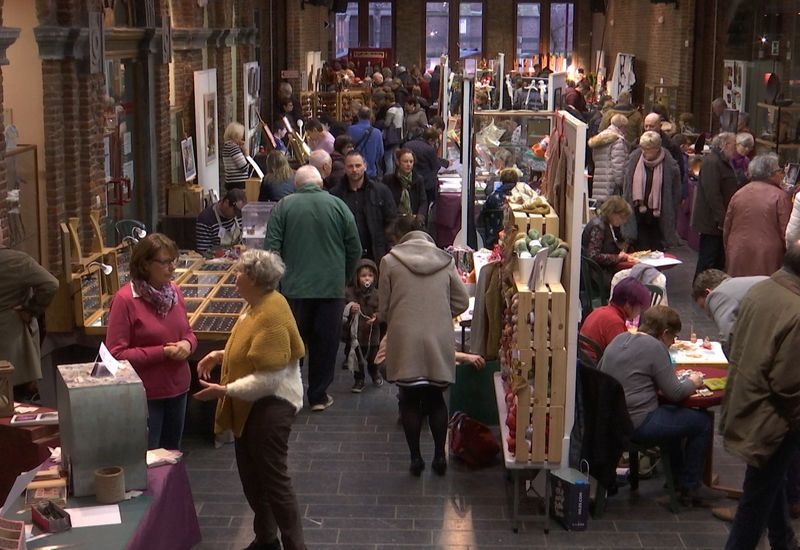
{"x":162,"y":299}
{"x":405,"y":197}
{"x":653,"y":201}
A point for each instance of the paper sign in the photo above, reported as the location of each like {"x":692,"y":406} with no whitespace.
{"x":92,"y":516}
{"x":108,"y":360}
{"x":255,"y":166}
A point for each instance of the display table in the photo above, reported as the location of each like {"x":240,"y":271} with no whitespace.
{"x":163,"y":518}
{"x":520,"y":471}
{"x":30,"y":448}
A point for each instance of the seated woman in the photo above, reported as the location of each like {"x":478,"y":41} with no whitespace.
{"x":641,"y":363}
{"x":602,"y":240}
{"x":604,"y":323}
{"x":278,"y":178}
{"x":492,"y":211}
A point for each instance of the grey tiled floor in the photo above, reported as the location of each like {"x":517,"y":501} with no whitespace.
{"x":349,"y":467}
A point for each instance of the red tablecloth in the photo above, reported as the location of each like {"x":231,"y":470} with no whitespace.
{"x":699,"y":401}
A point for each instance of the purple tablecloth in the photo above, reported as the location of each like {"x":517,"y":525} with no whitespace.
{"x":170,"y":522}
{"x":448,"y":218}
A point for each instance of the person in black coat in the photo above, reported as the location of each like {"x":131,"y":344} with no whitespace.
{"x":408,"y":188}
{"x":372,"y":205}
{"x":427,"y":162}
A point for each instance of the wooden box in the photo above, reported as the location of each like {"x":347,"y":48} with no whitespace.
{"x":543,"y":362}
{"x":542,"y":223}
{"x":175,"y":201}
{"x":193,"y":200}
{"x":252,"y":187}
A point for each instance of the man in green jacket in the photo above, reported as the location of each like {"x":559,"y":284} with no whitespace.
{"x":761,"y":411}
{"x":316,"y":235}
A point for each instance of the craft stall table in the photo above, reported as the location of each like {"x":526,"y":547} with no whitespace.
{"x":163,"y":518}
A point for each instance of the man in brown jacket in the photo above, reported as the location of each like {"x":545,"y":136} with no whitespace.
{"x":761,"y":410}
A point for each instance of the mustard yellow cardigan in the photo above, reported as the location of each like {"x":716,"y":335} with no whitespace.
{"x":261,"y":359}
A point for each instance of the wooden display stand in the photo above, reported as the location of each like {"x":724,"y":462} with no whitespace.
{"x":539,"y":344}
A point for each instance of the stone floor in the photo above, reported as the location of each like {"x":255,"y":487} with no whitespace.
{"x":349,"y":466}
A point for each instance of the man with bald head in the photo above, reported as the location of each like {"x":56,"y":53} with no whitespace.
{"x":316,"y":235}
{"x":652,"y":123}
{"x":321,"y":160}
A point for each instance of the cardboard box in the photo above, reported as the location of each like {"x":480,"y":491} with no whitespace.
{"x":193,"y":202}
{"x":175,"y":200}
{"x":252,"y":187}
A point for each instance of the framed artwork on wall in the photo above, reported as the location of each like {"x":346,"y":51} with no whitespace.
{"x":187,"y":154}
{"x":210,"y":126}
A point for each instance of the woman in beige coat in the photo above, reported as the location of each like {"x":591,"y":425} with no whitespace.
{"x":420,"y":293}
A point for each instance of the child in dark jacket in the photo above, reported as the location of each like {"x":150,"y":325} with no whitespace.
{"x":361,"y":329}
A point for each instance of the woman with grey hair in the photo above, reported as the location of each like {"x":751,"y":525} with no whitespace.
{"x":652,"y":186}
{"x":741,"y":159}
{"x":755,"y":224}
{"x":260,"y":393}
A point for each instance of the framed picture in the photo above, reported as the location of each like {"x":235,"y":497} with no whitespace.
{"x":187,"y":154}
{"x":792,"y":171}
{"x":210,"y":125}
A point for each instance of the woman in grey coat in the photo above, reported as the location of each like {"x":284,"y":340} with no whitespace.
{"x":610,"y":153}
{"x":419,"y":294}
{"x":652,"y":187}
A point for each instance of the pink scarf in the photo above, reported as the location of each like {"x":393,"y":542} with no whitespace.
{"x":640,"y":181}
{"x":162,"y":299}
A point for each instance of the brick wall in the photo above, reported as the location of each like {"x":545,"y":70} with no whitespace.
{"x":667,"y":52}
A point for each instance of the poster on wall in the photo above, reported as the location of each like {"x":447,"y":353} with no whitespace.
{"x":210,"y":125}
{"x":187,"y":154}
{"x":624,"y":76}
{"x":734,"y":84}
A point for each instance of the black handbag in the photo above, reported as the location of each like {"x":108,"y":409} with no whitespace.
{"x":392,"y":135}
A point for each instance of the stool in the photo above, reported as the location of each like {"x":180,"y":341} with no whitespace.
{"x":633,"y":462}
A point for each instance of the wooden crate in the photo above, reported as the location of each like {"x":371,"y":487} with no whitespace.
{"x":543,"y":358}
{"x":542,"y":223}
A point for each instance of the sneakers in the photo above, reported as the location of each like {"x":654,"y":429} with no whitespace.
{"x":725,"y":513}
{"x":358,"y":386}
{"x":319,"y":407}
{"x":700,"y":496}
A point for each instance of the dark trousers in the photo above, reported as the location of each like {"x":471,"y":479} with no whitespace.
{"x":710,"y":253}
{"x":261,"y":457}
{"x":417,"y":402}
{"x":165,"y":419}
{"x":369,"y":353}
{"x":319,"y":321}
{"x":763,"y":502}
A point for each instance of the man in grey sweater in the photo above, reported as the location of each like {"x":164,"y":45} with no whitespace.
{"x":720,"y":295}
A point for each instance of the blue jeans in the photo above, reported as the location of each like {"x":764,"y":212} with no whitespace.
{"x":319,"y":321}
{"x":669,"y":426}
{"x":763,"y":502}
{"x":165,"y":422}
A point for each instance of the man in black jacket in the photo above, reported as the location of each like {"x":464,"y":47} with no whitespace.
{"x":371,"y":203}
{"x":427,"y":162}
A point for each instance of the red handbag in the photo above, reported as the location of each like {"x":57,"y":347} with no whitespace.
{"x":471,"y":441}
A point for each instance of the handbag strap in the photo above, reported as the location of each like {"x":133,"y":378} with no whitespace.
{"x":363,"y":139}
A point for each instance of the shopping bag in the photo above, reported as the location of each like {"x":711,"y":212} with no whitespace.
{"x":570,"y":498}
{"x":471,"y":441}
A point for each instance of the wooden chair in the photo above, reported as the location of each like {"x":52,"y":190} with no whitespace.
{"x":656,"y":294}
{"x":592,"y":345}
{"x":594,"y":286}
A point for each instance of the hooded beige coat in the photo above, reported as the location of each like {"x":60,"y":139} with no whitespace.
{"x":420,"y":293}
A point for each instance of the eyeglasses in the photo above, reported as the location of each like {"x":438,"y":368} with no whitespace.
{"x":170,"y":261}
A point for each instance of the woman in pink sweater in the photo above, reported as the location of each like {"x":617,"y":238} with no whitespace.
{"x":148,"y":327}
